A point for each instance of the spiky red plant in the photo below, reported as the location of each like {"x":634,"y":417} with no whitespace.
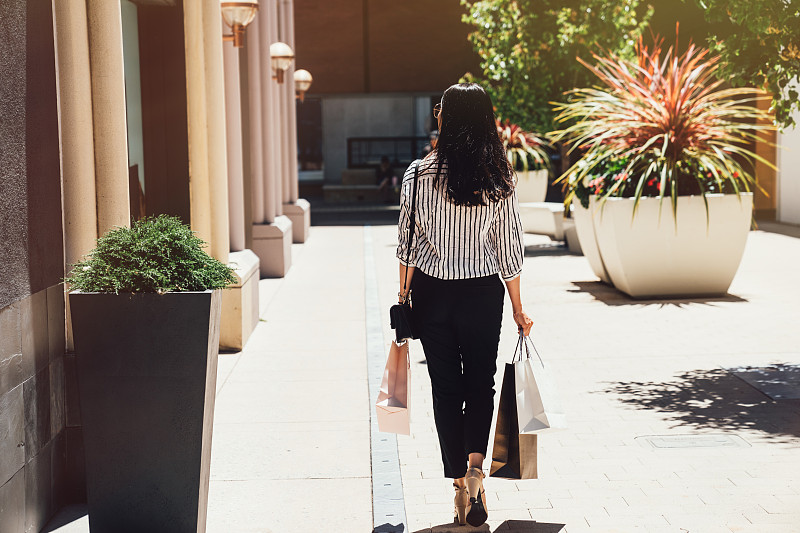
{"x":668,"y":117}
{"x":522,"y":148}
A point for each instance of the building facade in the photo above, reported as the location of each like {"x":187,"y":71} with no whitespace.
{"x":381,"y":69}
{"x":111,"y":110}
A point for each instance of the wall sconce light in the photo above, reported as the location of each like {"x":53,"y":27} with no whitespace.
{"x":282,"y":57}
{"x":302,"y":81}
{"x":237,"y":15}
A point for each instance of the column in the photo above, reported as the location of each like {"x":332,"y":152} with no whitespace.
{"x":268,"y":118}
{"x":108,"y":114}
{"x":272,"y":110}
{"x":215,"y":108}
{"x":292,"y":107}
{"x":77,"y":139}
{"x":240,"y":301}
{"x":233,"y":126}
{"x":297,"y":209}
{"x":255,"y":140}
{"x":287,"y":102}
{"x":199,"y":187}
{"x":283,"y":125}
{"x":272,"y":232}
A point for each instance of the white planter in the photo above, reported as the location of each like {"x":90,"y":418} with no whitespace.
{"x":584,"y":227}
{"x":532,"y":185}
{"x":650,"y":256}
{"x":571,"y":237}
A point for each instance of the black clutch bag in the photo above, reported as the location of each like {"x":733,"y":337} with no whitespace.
{"x":401,"y":315}
{"x":402,"y":319}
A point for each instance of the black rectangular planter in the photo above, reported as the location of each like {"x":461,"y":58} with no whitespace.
{"x":147,"y":369}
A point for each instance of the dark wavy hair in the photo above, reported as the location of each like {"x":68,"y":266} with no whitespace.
{"x":477,"y":167}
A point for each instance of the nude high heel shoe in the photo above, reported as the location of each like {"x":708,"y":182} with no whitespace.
{"x":477,"y":513}
{"x":461,"y":504}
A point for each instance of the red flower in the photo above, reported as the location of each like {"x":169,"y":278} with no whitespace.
{"x":650,"y":182}
{"x":735,"y":174}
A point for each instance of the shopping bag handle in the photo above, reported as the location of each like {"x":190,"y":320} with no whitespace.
{"x":525,"y":340}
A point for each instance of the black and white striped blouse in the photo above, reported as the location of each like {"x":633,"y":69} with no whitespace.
{"x":457,"y":241}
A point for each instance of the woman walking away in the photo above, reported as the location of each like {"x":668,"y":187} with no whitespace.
{"x":467,"y":230}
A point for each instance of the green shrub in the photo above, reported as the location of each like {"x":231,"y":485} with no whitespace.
{"x":157,"y":254}
{"x":527,"y":49}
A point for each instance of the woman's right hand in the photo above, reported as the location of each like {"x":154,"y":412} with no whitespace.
{"x":524,"y":322}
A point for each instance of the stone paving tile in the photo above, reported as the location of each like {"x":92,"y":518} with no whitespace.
{"x":759,"y":528}
{"x":290,"y":506}
{"x":628,"y":369}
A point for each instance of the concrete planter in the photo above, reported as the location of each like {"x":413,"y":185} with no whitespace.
{"x":532,"y":185}
{"x":584,"y":228}
{"x":571,"y":237}
{"x":147,"y":368}
{"x":650,"y":257}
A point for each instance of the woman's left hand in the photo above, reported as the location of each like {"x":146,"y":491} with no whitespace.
{"x":524,"y":322}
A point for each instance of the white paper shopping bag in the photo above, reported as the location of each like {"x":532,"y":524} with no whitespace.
{"x":538,"y":404}
{"x":392,"y":404}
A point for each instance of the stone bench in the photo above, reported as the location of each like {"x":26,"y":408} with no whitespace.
{"x":547,"y":218}
{"x":358,"y":185}
{"x":543,"y":218}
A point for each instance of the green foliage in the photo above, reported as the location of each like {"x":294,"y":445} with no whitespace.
{"x":611,"y":174}
{"x":660,"y":126}
{"x":527,"y":49}
{"x":759,"y":43}
{"x":157,"y":254}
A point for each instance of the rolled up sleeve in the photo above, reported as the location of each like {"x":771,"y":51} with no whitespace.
{"x":402,"y":224}
{"x":507,"y":238}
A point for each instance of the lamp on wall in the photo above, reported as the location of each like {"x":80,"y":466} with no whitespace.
{"x":282,"y":57}
{"x":237,"y":15}
{"x":302,"y":81}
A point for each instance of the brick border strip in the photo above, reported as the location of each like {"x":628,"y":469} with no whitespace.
{"x":388,"y":505}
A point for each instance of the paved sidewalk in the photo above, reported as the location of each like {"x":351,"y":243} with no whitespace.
{"x":628,"y":370}
{"x":291,"y":449}
{"x":291,"y":445}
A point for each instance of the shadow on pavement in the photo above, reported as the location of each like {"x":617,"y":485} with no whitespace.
{"x":714,"y":399}
{"x":788,"y":230}
{"x":521,"y":526}
{"x":611,"y":296}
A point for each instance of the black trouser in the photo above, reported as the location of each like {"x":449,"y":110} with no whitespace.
{"x":459,"y":322}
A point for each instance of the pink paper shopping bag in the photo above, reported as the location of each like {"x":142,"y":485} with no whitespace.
{"x":392,"y":403}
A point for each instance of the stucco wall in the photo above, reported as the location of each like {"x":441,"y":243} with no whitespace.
{"x":31,"y":257}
